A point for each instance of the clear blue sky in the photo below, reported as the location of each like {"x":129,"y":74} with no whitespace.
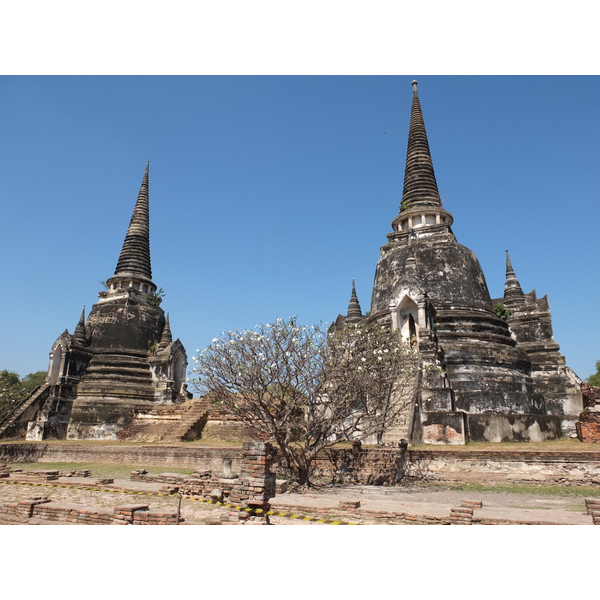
{"x":269,"y":194}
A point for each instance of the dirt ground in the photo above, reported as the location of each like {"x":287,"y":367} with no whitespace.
{"x":378,"y":505}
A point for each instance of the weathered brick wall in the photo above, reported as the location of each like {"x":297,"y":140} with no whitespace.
{"x":53,"y":511}
{"x":44,"y":509}
{"x":377,"y":466}
{"x":370,"y":465}
{"x":588,"y":426}
{"x":138,"y":514}
{"x":588,"y":432}
{"x":224,"y":460}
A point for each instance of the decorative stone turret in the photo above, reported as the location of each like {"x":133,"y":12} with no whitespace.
{"x":513,"y":294}
{"x":354,"y":315}
{"x":79,"y":335}
{"x":530,"y":324}
{"x":354,"y":311}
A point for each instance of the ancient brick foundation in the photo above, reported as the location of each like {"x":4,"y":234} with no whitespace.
{"x":42,"y":509}
{"x":251,"y":489}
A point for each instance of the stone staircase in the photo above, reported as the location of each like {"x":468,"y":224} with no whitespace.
{"x":168,"y":423}
{"x":125,"y":376}
{"x":9,"y":426}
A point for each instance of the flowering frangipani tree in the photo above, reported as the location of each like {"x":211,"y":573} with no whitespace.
{"x":306,"y":389}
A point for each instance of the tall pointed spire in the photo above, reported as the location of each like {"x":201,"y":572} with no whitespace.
{"x":134,"y":260}
{"x":79,"y":334}
{"x":420,"y":185}
{"x":354,"y":310}
{"x":167,"y":337}
{"x":512,"y":287}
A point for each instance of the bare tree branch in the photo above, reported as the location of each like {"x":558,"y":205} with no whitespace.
{"x":307,"y":389}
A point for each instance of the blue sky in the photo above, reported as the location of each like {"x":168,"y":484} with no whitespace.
{"x":270,"y":193}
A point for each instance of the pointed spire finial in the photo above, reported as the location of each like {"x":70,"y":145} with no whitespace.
{"x":167,"y":337}
{"x":134,"y":260}
{"x":354,"y":310}
{"x":79,"y":334}
{"x":420,"y":185}
{"x":512,"y":287}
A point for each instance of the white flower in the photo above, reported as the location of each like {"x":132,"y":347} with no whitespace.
{"x":215,"y":340}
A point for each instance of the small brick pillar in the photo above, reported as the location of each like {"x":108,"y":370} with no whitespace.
{"x":256,"y":486}
{"x":588,"y":426}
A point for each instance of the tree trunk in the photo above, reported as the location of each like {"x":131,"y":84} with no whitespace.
{"x":297,"y":463}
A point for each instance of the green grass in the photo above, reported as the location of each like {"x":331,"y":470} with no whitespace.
{"x":116,"y":471}
{"x":525,"y":488}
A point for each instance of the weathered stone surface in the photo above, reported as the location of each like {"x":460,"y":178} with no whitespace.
{"x":120,"y":363}
{"x":503,"y":379}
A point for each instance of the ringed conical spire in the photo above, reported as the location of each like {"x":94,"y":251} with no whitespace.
{"x":420,"y":185}
{"x":79,"y":333}
{"x":512,"y":287}
{"x":166,"y":337}
{"x":134,"y":260}
{"x":354,"y":310}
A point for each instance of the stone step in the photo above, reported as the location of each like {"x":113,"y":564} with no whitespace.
{"x":169,"y":424}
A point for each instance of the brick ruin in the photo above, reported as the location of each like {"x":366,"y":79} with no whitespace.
{"x":588,"y":426}
{"x":251,"y":488}
{"x":248,"y":492}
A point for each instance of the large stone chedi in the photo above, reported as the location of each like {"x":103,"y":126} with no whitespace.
{"x":123,"y":360}
{"x":500,"y":380}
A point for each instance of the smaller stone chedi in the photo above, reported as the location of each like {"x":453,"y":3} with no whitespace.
{"x":119,"y":364}
{"x":498,"y":375}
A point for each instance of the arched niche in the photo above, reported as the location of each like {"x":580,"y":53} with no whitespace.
{"x":56,"y":363}
{"x":179,"y":370}
{"x":408,"y":320}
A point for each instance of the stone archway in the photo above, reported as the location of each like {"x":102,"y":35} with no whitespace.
{"x":56,"y":362}
{"x":179,"y":371}
{"x":408,"y":320}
